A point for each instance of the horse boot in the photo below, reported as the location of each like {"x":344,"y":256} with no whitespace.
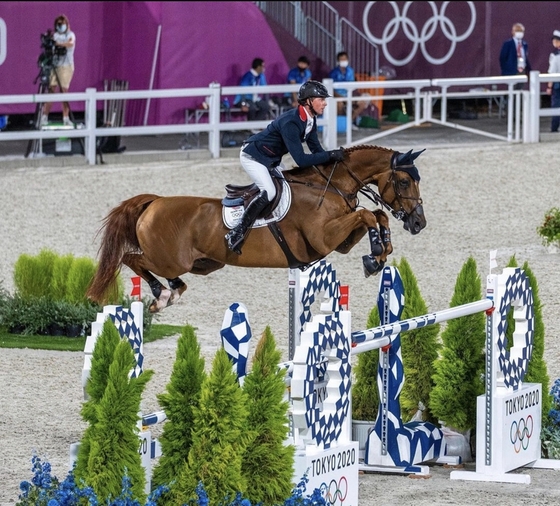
{"x":371,"y":265}
{"x":237,"y":235}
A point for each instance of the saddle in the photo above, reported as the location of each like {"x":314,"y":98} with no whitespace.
{"x":237,"y":195}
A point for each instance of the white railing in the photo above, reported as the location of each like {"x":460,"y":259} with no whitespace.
{"x":523,"y":107}
{"x":535,"y":111}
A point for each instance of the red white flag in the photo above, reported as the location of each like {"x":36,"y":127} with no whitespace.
{"x":136,"y":282}
{"x":344,"y":292}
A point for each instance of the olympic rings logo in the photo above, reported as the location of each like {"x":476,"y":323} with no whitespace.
{"x":335,"y":491}
{"x":520,"y":433}
{"x":418,"y":38}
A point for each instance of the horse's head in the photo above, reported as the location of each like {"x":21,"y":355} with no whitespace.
{"x":400,"y":190}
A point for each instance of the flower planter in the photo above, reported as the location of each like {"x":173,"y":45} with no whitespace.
{"x":56,"y":330}
{"x":360,"y":433}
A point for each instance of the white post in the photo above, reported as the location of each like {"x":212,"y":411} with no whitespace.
{"x":152,"y":75}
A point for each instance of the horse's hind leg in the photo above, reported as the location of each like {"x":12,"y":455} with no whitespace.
{"x":178,"y":286}
{"x":163,"y":295}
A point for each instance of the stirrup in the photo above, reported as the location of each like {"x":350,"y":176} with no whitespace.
{"x":234,"y":241}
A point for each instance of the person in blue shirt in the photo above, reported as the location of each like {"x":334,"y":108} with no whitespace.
{"x":300,"y":74}
{"x":255,"y":106}
{"x":264,"y":151}
{"x":343,"y":72}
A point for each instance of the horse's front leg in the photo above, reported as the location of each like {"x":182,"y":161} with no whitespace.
{"x":380,"y":243}
{"x":350,"y":228}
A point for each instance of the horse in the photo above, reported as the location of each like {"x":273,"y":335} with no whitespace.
{"x":169,"y":236}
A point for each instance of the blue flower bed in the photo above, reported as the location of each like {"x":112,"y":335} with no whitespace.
{"x":46,"y":490}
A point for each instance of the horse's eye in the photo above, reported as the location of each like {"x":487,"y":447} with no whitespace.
{"x":404,"y":183}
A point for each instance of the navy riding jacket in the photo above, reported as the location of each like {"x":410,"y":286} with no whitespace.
{"x":284,"y":135}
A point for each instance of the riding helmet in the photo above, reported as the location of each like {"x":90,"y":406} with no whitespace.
{"x":312,"y":89}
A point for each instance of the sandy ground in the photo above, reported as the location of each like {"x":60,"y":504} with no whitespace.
{"x":477,"y":199}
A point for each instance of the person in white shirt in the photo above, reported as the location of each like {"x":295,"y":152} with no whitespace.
{"x":63,"y":70}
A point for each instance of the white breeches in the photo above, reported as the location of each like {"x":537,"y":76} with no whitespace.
{"x":258,"y":173}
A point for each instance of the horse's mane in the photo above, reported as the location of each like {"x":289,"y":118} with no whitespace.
{"x":305,"y":170}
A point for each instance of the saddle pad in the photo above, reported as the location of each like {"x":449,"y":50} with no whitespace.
{"x":232,"y":215}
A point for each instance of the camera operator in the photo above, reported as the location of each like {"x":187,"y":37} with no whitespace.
{"x":63,"y":66}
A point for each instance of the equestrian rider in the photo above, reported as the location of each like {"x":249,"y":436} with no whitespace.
{"x":263,"y":151}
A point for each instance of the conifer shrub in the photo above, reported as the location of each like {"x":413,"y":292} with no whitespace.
{"x":268,"y":463}
{"x":178,"y":401}
{"x":109,"y":448}
{"x":420,"y":348}
{"x":460,"y":369}
{"x":365,"y":392}
{"x":219,"y":439}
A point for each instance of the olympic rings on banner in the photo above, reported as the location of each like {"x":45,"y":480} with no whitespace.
{"x":335,"y":491}
{"x":418,"y":38}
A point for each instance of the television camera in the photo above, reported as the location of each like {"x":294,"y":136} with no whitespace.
{"x":48,"y":59}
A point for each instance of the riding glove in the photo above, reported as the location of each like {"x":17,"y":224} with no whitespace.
{"x":337,"y":155}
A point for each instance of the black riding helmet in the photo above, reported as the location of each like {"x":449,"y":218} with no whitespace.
{"x":312,"y":89}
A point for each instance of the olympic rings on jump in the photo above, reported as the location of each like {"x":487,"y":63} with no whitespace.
{"x":520,"y":433}
{"x":418,"y":37}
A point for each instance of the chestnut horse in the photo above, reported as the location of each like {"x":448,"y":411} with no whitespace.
{"x":172,"y":236}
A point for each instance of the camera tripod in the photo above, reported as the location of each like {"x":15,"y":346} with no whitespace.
{"x":35,"y":145}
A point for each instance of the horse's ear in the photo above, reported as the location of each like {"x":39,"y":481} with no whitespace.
{"x":417,"y":154}
{"x":403,"y":158}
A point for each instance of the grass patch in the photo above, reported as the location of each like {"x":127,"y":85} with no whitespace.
{"x":62,"y":343}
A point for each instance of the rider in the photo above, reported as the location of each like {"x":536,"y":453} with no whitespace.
{"x":263,"y":151}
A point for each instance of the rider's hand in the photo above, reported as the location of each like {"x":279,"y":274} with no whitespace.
{"x":336,"y":155}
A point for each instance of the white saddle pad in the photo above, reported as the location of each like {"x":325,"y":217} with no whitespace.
{"x":232,"y":215}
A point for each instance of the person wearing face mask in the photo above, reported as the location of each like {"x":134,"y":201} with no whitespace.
{"x":63,"y":71}
{"x":514,"y":55}
{"x":343,"y":72}
{"x":298,"y":75}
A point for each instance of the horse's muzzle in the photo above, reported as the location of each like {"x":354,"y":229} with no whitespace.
{"x":415,"y":221}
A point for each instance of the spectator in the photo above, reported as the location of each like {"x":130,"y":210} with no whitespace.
{"x":514,"y":55}
{"x":63,"y":70}
{"x":264,"y":151}
{"x":298,"y":75}
{"x":344,"y":73}
{"x":256,"y":107}
{"x":553,"y":89}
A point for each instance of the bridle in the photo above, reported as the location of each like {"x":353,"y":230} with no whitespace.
{"x":399,"y":214}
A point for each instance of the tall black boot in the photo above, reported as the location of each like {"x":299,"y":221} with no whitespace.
{"x":236,"y":236}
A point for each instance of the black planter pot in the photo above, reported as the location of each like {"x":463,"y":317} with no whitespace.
{"x":74,"y":330}
{"x":16,"y":329}
{"x":56,"y":330}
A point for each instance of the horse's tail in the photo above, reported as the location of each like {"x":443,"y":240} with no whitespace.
{"x":119,"y":238}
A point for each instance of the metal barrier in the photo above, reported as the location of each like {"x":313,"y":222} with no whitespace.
{"x":524,"y":109}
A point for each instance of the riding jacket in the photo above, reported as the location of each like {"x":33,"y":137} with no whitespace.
{"x":284,"y":135}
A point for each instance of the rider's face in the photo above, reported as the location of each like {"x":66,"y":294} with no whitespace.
{"x":319,"y":105}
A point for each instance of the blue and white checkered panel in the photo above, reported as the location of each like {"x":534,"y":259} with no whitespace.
{"x":125,"y":324}
{"x":236,"y":335}
{"x":324,"y":337}
{"x":515,"y":292}
{"x":320,"y":278}
{"x":410,"y":443}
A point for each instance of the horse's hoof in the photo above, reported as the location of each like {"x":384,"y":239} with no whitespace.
{"x":153,"y":308}
{"x":371,"y":265}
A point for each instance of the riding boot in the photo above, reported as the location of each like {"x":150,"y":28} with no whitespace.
{"x":236,"y":236}
{"x":371,"y":265}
